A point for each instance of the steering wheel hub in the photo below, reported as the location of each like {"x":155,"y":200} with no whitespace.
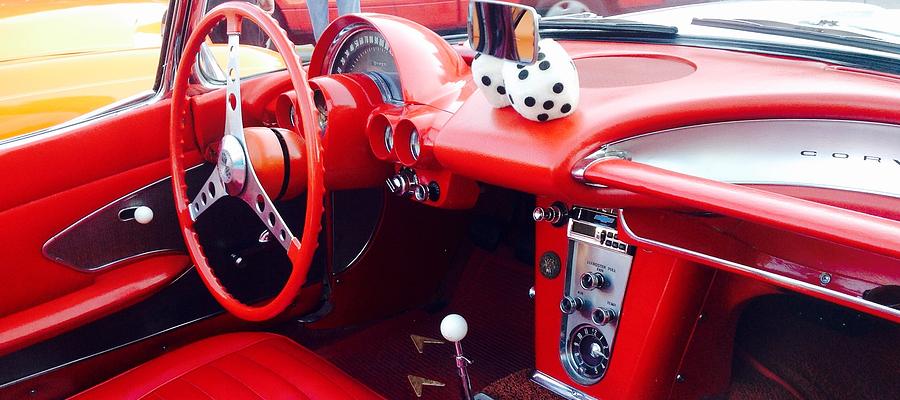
{"x":232,"y":165}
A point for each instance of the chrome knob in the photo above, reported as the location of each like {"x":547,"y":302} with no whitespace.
{"x":398,"y":184}
{"x":421,"y":192}
{"x":602,"y":316}
{"x":593,"y":280}
{"x":569,"y":304}
{"x":552,"y":214}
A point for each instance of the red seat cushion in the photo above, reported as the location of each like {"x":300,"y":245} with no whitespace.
{"x":234,"y":366}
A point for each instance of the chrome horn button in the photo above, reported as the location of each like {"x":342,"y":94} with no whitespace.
{"x":232,"y":165}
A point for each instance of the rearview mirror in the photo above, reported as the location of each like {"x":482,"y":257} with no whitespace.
{"x":504,"y":30}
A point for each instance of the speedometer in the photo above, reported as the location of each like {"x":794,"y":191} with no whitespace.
{"x":366,"y":51}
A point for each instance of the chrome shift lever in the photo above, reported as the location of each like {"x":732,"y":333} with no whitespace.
{"x":454,"y":328}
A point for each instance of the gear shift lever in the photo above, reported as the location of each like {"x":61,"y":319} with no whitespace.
{"x":454,"y":329}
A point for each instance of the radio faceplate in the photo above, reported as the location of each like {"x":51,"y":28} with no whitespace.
{"x":596,"y":277}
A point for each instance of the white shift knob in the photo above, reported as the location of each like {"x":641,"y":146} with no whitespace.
{"x":143,"y":215}
{"x":454,"y":327}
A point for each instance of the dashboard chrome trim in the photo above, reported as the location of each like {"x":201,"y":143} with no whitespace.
{"x":603,"y":154}
{"x":588,"y":253}
{"x":830,"y":154}
{"x":558,"y":388}
{"x":765,"y":276}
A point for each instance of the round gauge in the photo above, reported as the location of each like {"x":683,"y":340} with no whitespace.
{"x":367,"y":52}
{"x":550,"y":265}
{"x":388,"y":138}
{"x":364,"y":51}
{"x":414,"y":146}
{"x":588,"y":352}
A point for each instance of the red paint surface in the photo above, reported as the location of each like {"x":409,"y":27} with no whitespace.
{"x":433,"y":14}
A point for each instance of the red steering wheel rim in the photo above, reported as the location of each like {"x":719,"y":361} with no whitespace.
{"x":300,"y":252}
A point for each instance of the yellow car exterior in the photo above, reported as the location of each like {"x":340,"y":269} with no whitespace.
{"x":62,"y":59}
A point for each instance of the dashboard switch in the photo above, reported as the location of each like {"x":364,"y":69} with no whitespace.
{"x":593,"y":280}
{"x":602,"y":316}
{"x":570,"y":304}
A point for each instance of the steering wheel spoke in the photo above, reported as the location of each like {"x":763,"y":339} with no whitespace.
{"x":264,"y":208}
{"x":234,"y":124}
{"x":213,"y":189}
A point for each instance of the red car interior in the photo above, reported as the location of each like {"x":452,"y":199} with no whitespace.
{"x":734,"y":290}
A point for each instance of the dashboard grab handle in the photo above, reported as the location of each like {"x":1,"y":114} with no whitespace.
{"x":835,"y":224}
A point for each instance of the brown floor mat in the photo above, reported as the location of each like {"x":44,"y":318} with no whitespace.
{"x":818,"y":350}
{"x":492,"y":295}
{"x":518,"y":386}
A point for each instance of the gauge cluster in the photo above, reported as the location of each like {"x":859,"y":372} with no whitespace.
{"x":365,"y":51}
{"x":392,"y":86}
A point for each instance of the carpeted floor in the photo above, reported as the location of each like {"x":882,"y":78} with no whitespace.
{"x":492,"y":295}
{"x":518,"y":386}
{"x":795,"y":348}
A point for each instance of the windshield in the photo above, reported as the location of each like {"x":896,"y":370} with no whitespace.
{"x":803,"y":23}
{"x":778,"y":21}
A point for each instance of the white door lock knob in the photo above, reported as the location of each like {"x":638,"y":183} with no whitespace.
{"x":143,"y":215}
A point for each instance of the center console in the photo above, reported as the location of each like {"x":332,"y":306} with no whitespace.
{"x":590,"y":294}
{"x":594,"y":289}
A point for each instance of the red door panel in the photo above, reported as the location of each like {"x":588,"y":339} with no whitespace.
{"x":52,"y":181}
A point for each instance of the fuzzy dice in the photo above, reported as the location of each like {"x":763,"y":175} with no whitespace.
{"x":545,"y":90}
{"x":488,"y":74}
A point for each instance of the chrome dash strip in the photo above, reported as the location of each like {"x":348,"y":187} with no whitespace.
{"x":769,"y":277}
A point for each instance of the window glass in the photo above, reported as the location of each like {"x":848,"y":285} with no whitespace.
{"x":60,"y":59}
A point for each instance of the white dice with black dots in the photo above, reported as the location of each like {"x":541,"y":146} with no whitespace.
{"x":543,"y":91}
{"x":547,"y":89}
{"x":488,"y":74}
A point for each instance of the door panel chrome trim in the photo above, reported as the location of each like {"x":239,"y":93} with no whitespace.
{"x":832,"y":154}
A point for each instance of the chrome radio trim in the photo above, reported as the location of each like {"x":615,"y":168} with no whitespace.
{"x":831,"y":154}
{"x":596,"y":252}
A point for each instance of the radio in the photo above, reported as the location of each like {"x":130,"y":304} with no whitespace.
{"x":598,"y":268}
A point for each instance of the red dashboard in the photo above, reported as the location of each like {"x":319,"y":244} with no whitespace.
{"x":628,"y":90}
